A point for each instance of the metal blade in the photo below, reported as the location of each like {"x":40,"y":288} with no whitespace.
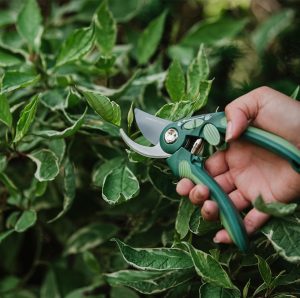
{"x":153,"y":152}
{"x":150,"y":126}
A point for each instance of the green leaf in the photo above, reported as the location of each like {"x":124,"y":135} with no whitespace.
{"x":4,"y":235}
{"x":209,"y":268}
{"x":185,"y":211}
{"x":295,"y":93}
{"x":284,"y":235}
{"x":26,"y":118}
{"x":69,"y":189}
{"x":124,"y":13}
{"x":175,"y":81}
{"x":120,"y":185}
{"x":53,"y":99}
{"x":9,"y":184}
{"x":210,"y":290}
{"x":3,"y":163}
{"x":269,"y":29}
{"x":27,"y":219}
{"x":5,"y":114}
{"x":198,"y":71}
{"x":78,"y":44}
{"x":102,"y":170}
{"x":7,"y":58}
{"x":69,"y":131}
{"x":49,"y":288}
{"x":130,"y":117}
{"x":199,"y":226}
{"x":264,"y":270}
{"x":275,"y":208}
{"x":106,"y":28}
{"x":104,"y":107}
{"x":148,"y":282}
{"x":89,"y":237}
{"x":149,"y":39}
{"x":157,"y":259}
{"x":91,"y":262}
{"x":13,"y":80}
{"x":46,"y":163}
{"x":29,"y":23}
{"x":217,"y":32}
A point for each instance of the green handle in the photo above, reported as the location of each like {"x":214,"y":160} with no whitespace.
{"x":184,"y":164}
{"x":266,"y":140}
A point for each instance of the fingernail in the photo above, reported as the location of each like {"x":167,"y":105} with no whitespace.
{"x":228,"y":131}
{"x":216,"y":240}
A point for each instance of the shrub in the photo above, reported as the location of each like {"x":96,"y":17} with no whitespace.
{"x":72,"y":72}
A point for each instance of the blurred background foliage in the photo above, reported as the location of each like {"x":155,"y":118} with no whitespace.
{"x":248,"y":44}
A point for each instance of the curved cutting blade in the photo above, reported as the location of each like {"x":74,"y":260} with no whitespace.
{"x":150,"y":126}
{"x":153,"y":152}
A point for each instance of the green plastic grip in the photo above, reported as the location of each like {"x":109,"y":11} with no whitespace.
{"x":185,"y":165}
{"x":266,"y":140}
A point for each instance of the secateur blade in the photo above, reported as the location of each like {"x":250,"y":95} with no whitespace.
{"x":151,"y":128}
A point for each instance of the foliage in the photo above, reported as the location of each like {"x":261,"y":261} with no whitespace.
{"x":72,"y":72}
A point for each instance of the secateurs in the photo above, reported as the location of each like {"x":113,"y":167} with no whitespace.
{"x":182,"y":143}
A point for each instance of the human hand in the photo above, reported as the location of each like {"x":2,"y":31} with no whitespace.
{"x":244,"y":170}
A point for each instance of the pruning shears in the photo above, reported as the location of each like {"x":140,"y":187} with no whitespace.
{"x":182,"y":143}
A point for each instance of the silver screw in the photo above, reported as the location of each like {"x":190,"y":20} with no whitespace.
{"x":171,"y":135}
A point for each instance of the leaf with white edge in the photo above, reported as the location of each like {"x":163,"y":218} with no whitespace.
{"x":106,"y":28}
{"x":175,"y":111}
{"x":4,"y":235}
{"x":157,"y":259}
{"x":185,"y":211}
{"x":149,"y":39}
{"x":120,"y":185}
{"x":7,"y":58}
{"x":90,"y":237}
{"x":201,"y":100}
{"x":14,"y":80}
{"x":78,"y":44}
{"x":149,"y":282}
{"x":27,"y":219}
{"x":5,"y":114}
{"x":175,"y":81}
{"x":47,"y":167}
{"x":274,"y":208}
{"x":269,"y":29}
{"x":210,"y":290}
{"x":199,"y":226}
{"x":198,"y":71}
{"x":26,"y":118}
{"x":69,"y":188}
{"x":29,"y":23}
{"x":54,"y":99}
{"x":102,"y":170}
{"x":284,"y":235}
{"x":58,"y":147}
{"x":264,"y":270}
{"x":69,"y":131}
{"x":104,"y":107}
{"x":295,"y":93}
{"x":209,"y":268}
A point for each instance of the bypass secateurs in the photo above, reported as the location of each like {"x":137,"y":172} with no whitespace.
{"x":182,"y":144}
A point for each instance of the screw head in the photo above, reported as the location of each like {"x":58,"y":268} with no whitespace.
{"x":171,"y":135}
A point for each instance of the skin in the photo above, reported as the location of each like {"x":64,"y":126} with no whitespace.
{"x":246,"y":171}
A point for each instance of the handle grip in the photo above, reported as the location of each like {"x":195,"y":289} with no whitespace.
{"x":266,"y":140}
{"x":185,"y":165}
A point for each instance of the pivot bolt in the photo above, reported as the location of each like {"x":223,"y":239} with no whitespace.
{"x":171,"y":135}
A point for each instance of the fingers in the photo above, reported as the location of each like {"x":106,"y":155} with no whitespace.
{"x":184,"y":186}
{"x":253,"y":221}
{"x":243,"y":110}
{"x":216,"y":164}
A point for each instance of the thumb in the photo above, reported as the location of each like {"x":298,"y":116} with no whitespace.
{"x":240,"y":113}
